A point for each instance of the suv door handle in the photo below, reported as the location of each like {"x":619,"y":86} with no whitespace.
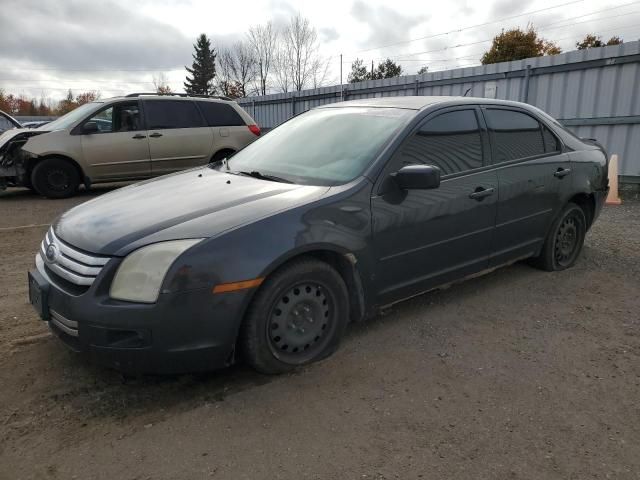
{"x":155,"y":135}
{"x":138,"y":136}
{"x":562,"y":172}
{"x":481,"y":192}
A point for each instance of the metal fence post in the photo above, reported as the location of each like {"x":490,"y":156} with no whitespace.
{"x":527,"y":77}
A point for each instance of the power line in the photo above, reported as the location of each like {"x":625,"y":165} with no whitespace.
{"x":470,"y":27}
{"x":542,"y":29}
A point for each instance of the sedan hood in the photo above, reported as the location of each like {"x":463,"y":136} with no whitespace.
{"x":197,"y":203}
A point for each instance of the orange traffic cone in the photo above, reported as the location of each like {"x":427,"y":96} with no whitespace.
{"x":613,"y":198}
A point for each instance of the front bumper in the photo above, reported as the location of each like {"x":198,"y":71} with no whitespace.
{"x":182,"y":332}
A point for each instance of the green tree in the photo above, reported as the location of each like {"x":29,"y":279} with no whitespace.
{"x":386,"y":69}
{"x":593,"y":41}
{"x":517,"y":44}
{"x":358,"y":72}
{"x":203,"y":69}
{"x":423,"y":70}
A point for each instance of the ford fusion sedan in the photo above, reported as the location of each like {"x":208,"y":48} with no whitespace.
{"x":267,"y":256}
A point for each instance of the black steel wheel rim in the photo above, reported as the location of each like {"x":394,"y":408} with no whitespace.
{"x":567,"y":240}
{"x":301,"y":322}
{"x":58,"y":180}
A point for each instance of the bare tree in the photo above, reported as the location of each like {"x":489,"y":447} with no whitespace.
{"x":320,"y":69}
{"x":161,"y":83}
{"x":282,"y":67}
{"x":224,"y":77}
{"x":301,"y":47}
{"x":236,"y":69}
{"x":262,"y":39}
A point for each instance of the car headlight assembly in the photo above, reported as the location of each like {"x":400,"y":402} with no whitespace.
{"x":140,"y":275}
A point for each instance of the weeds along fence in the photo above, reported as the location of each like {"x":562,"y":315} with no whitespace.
{"x":595,"y":93}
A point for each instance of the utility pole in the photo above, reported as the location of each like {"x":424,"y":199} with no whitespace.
{"x":341,"y":89}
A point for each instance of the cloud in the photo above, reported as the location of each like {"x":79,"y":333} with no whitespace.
{"x":328,"y":34}
{"x":507,"y":8}
{"x":80,"y":34}
{"x":385,"y":24}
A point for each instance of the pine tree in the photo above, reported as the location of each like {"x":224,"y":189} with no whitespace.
{"x":203,"y":69}
{"x":358,"y":72}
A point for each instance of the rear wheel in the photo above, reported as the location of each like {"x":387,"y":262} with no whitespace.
{"x":564,"y":242}
{"x":297,"y":317}
{"x":221,"y":155}
{"x":55,"y":178}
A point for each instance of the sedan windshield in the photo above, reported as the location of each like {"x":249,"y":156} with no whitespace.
{"x":327,"y":146}
{"x":72,"y":117}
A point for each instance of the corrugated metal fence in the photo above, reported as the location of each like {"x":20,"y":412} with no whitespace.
{"x":595,"y":92}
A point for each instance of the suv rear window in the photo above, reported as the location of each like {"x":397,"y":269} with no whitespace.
{"x":167,"y":114}
{"x":220,"y":115}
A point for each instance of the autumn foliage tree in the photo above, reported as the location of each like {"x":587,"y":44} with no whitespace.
{"x":593,"y":41}
{"x":517,"y":44}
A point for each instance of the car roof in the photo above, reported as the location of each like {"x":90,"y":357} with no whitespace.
{"x":419,"y":103}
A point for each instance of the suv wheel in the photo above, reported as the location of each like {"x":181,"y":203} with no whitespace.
{"x":564,"y":241}
{"x":297,"y":317}
{"x":55,"y":178}
{"x":221,"y":155}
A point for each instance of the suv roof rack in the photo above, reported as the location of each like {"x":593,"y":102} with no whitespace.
{"x":155,"y":94}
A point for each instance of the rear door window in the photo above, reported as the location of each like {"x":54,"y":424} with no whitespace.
{"x":451,"y":141}
{"x":220,"y":114}
{"x":169,"y":114}
{"x":516,"y":135}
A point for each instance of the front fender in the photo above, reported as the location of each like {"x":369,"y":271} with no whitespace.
{"x":339,"y":223}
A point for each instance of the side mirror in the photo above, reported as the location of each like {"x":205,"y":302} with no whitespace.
{"x":90,"y":127}
{"x":417,"y":177}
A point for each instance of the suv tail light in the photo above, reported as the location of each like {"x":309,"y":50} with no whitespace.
{"x":255,"y":129}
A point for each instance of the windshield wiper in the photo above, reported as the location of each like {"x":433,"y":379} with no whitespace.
{"x":263,"y":176}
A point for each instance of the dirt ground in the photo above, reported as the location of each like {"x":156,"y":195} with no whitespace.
{"x":518,"y":374}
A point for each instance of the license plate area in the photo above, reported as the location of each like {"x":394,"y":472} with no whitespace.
{"x":39,"y":294}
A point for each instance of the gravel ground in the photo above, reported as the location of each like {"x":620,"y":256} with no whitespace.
{"x":517,"y":374}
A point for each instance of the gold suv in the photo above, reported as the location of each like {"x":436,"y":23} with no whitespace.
{"x":127,"y":138}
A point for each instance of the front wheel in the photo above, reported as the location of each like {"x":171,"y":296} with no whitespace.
{"x":297,"y":317}
{"x":564,"y":241}
{"x":55,"y":178}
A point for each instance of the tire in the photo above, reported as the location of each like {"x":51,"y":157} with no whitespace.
{"x":222,"y":154}
{"x":55,"y":178}
{"x":297,"y":317}
{"x":564,"y":241}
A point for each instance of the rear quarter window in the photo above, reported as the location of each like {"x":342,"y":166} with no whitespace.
{"x":220,"y":114}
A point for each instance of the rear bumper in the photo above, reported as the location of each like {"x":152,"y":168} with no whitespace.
{"x":600,"y":199}
{"x":182,"y":332}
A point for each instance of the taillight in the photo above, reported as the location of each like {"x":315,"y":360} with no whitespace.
{"x":255,"y":129}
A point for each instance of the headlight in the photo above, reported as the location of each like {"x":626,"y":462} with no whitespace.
{"x":140,"y":275}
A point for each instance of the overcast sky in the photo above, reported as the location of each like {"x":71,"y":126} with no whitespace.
{"x":117,"y":46}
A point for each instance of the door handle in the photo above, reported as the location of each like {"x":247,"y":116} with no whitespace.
{"x":481,"y":192}
{"x":562,"y":172}
{"x":155,"y":135}
{"x":139,"y":136}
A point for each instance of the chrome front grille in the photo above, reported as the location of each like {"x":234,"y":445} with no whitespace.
{"x":68,"y":263}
